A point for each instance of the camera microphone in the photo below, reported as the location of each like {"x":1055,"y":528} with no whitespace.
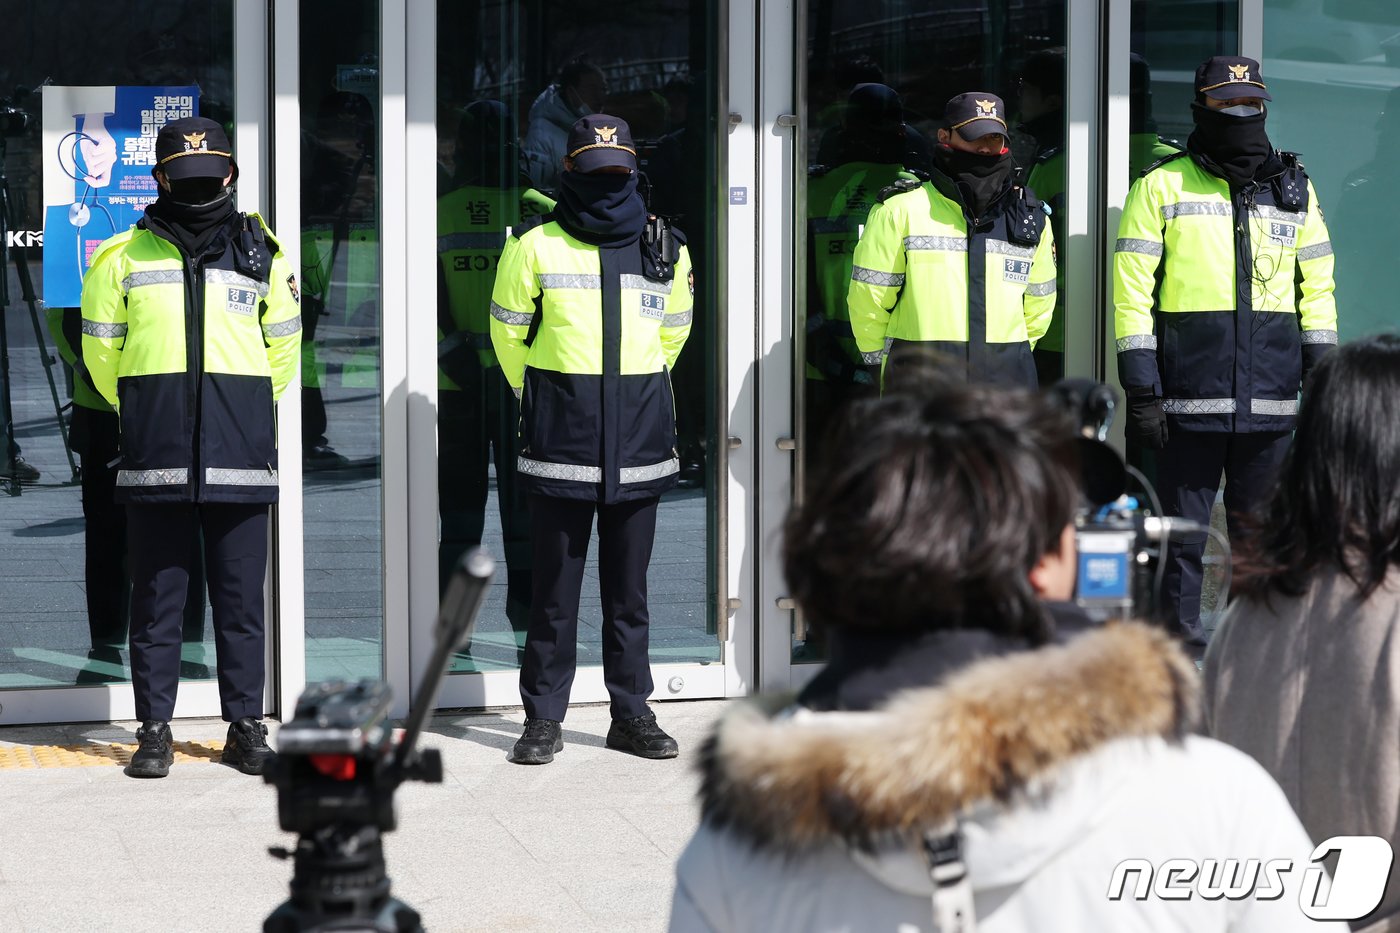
{"x":1159,"y":528}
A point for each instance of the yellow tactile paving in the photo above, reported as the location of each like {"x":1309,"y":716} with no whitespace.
{"x":24,"y":757}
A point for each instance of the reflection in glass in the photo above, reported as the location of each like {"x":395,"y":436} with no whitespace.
{"x":342,"y":342}
{"x":1347,"y":139}
{"x":924,"y":54}
{"x":508,"y":90}
{"x":64,"y":615}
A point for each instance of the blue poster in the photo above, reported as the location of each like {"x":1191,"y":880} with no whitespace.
{"x":99,"y":149}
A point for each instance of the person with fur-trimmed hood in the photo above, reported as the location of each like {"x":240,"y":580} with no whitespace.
{"x":958,"y":731}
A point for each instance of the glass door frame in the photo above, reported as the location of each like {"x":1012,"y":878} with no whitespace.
{"x":107,"y":702}
{"x":412,"y":584}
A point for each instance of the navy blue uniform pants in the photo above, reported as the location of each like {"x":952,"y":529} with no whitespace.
{"x":1188,"y":479}
{"x":560,"y":529}
{"x":161,"y":562}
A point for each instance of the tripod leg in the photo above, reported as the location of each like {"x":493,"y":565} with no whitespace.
{"x":26,"y":285}
{"x":7,"y":428}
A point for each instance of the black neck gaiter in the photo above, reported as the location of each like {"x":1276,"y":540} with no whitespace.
{"x":981,"y":179}
{"x":1234,"y":147}
{"x":602,"y":209}
{"x":192,"y":226}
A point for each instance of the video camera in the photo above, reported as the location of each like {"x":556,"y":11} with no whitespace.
{"x":14,"y":119}
{"x":336,"y":771}
{"x":1120,"y":546}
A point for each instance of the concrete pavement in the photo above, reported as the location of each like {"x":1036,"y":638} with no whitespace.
{"x":587,"y":843}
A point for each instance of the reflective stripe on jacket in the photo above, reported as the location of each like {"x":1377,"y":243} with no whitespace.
{"x":193,"y":354}
{"x":597,"y":413}
{"x":1221,"y":304}
{"x":921,"y":275}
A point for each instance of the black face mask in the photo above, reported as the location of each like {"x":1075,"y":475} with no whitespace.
{"x":603,"y":209}
{"x":981,"y":178}
{"x":1235,"y":146}
{"x":196,"y":190}
{"x":193,"y":224}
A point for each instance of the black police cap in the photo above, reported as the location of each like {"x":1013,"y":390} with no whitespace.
{"x":873,"y":106}
{"x":975,"y":114}
{"x":600,"y":140}
{"x":1226,"y":77}
{"x":194,"y":147}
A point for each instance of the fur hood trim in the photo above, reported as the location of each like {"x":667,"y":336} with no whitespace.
{"x":790,"y":780}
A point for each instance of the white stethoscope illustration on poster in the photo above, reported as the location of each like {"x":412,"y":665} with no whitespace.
{"x":80,"y":212}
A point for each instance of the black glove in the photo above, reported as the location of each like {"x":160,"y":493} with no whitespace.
{"x":458,"y":359}
{"x":1147,"y":423}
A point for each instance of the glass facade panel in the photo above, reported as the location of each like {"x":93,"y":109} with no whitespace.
{"x":1168,"y":41}
{"x":512,"y":77}
{"x":1333,"y":67}
{"x":343,"y":325}
{"x":927,"y":53}
{"x":63,"y":585}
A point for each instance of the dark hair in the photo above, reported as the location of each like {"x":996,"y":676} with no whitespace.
{"x":930,"y":508}
{"x":1336,"y":505}
{"x":1045,"y":70}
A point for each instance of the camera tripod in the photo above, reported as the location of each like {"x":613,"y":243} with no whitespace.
{"x":336,"y":771}
{"x":10,"y":476}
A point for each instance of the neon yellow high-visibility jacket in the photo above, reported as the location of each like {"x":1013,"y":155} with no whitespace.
{"x":1223,"y":296}
{"x":980,"y":295}
{"x":192,"y":353}
{"x":472,"y":225}
{"x":597,"y":412}
{"x":839,"y":199}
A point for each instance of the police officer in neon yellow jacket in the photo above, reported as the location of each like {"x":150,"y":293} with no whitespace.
{"x":478,"y":416}
{"x":191,"y":330}
{"x":963,"y":264}
{"x":606,"y":292}
{"x":868,"y":157}
{"x":1223,"y":299}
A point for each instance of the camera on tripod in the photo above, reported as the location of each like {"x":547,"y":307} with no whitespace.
{"x":336,"y":771}
{"x":1121,"y":546}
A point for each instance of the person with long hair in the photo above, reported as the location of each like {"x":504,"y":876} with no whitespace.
{"x":958,"y":723}
{"x":1304,"y":671}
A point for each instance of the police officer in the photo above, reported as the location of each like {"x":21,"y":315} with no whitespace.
{"x":606,"y":291}
{"x":869,"y":159}
{"x":477,"y":413}
{"x":191,"y":331}
{"x":1223,"y":299}
{"x":963,"y":263}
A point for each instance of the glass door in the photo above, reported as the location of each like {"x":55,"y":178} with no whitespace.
{"x":508,"y":80}
{"x":874,"y":78}
{"x":69,"y":185}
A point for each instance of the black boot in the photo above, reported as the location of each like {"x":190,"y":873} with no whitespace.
{"x":157,"y":750}
{"x":537,"y":746}
{"x":246,"y":747}
{"x":642,"y":737}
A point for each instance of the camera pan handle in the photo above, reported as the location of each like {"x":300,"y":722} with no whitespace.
{"x":466,"y":592}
